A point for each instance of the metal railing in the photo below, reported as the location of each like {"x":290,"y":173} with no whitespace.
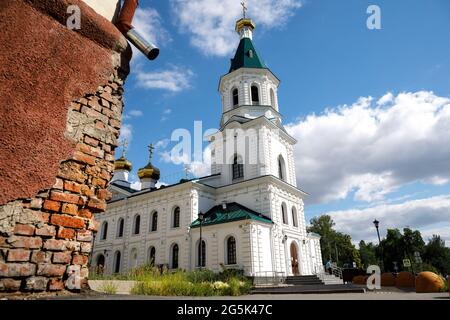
{"x":267,"y":278}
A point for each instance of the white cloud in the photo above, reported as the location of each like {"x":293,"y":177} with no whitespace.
{"x":373,"y":148}
{"x":430,"y":216}
{"x":148,"y":23}
{"x":162,"y":144}
{"x":133,"y":114}
{"x":211,"y":22}
{"x":136,"y":113}
{"x":173,"y":79}
{"x":167,"y":111}
{"x":126,"y":132}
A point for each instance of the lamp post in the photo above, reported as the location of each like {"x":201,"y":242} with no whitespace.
{"x":377,"y":224}
{"x":201,"y":216}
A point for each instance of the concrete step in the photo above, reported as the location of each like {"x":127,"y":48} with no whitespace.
{"x":337,"y":288}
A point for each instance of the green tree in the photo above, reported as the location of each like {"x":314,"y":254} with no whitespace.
{"x":335,"y":245}
{"x":437,"y":254}
{"x":368,"y":254}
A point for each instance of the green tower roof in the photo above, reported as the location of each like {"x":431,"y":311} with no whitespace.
{"x":246,"y":56}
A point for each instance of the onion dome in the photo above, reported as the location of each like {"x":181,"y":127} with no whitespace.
{"x":122,"y":164}
{"x":149,"y":171}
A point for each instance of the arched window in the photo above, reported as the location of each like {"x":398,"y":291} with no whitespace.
{"x":281,"y":168}
{"x":237,"y":167}
{"x":272,"y":98}
{"x":294,"y":217}
{"x":151,"y":256}
{"x":175,"y":256}
{"x":154,"y":225}
{"x":255,"y":95}
{"x":104,"y":233}
{"x":120,"y":225}
{"x":176,"y":217}
{"x":100,"y":265}
{"x":117,"y":262}
{"x":137,"y":224}
{"x":284,"y":213}
{"x":201,"y":254}
{"x":235,"y":95}
{"x":231,"y":250}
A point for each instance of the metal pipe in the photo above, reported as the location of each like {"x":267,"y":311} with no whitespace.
{"x":124,"y":25}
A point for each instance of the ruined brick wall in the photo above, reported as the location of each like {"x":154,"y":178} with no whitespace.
{"x":61,"y":106}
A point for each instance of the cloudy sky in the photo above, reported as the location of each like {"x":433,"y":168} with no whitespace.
{"x":370,"y":108}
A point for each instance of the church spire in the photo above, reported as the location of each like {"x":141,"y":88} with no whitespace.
{"x":246,"y":56}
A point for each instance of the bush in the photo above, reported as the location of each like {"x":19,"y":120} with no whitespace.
{"x":197,"y":283}
{"x":108,"y":288}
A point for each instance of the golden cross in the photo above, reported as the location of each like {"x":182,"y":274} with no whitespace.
{"x":124,"y":145}
{"x":186,"y":169}
{"x":244,"y":8}
{"x":151,"y":148}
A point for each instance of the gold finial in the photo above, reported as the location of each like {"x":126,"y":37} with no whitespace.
{"x":150,"y":149}
{"x":244,"y":9}
{"x":124,"y":145}
{"x":186,"y":169}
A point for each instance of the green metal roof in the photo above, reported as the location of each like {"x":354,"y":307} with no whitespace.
{"x":233,"y":212}
{"x":246,"y":56}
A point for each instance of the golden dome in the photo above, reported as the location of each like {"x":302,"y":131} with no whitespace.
{"x":122,"y":164}
{"x":149,"y":171}
{"x":244,"y":22}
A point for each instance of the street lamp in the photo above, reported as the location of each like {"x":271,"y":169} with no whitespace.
{"x":201,"y":217}
{"x":377,"y":224}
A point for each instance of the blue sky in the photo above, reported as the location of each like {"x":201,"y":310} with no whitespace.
{"x":330,"y":64}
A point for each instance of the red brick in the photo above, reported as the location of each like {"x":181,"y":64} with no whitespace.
{"x":55,"y":245}
{"x":105,"y":175}
{"x":115,"y":123}
{"x":24,"y":229}
{"x":51,"y":270}
{"x":73,"y":171}
{"x":104,"y":194}
{"x":70,"y":208}
{"x":91,"y":141}
{"x":99,"y":125}
{"x":36,"y":284}
{"x":64,"y":233}
{"x":86,"y":191}
{"x":18,"y":255}
{"x":55,"y":284}
{"x":17,"y":269}
{"x":41,"y":257}
{"x":51,"y":205}
{"x":84,"y":158}
{"x":10,"y":285}
{"x":26,"y":242}
{"x":79,"y":259}
{"x":85,"y":213}
{"x":3,"y":243}
{"x":67,"y":221}
{"x":95,"y":152}
{"x":62,"y":257}
{"x":46,"y":231}
{"x":99,"y":182}
{"x":64,"y":197}
{"x":42,"y":216}
{"x":72,"y":186}
{"x":84,"y":235}
{"x":98,"y":205}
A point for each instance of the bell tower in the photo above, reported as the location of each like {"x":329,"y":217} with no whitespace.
{"x":259,"y":144}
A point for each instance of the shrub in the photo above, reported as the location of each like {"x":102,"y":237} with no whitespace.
{"x":108,"y":288}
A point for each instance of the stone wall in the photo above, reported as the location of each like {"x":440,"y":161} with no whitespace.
{"x":61,"y":103}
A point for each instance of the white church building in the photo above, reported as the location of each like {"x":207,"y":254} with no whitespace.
{"x":253,"y":212}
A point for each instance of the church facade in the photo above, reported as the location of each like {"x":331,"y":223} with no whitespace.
{"x":248,"y":214}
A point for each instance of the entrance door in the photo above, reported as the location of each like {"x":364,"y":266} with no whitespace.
{"x":294,"y":260}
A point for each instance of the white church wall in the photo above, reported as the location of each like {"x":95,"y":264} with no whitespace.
{"x":215,"y":237}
